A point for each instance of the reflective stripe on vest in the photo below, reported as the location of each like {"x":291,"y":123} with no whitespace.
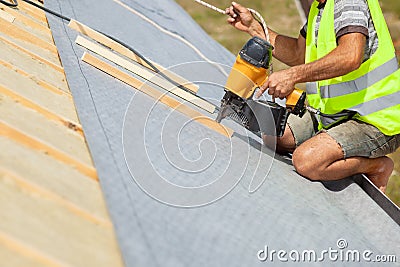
{"x":373,"y":90}
{"x":365,"y":81}
{"x":377,"y":104}
{"x":311,"y":88}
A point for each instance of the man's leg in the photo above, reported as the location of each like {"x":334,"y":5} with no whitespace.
{"x":296,"y":132}
{"x":284,"y":144}
{"x":321,"y":158}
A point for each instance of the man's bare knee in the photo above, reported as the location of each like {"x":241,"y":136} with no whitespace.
{"x":303,"y":163}
{"x":315,"y":155}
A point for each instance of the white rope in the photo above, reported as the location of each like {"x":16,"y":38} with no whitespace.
{"x":265,"y":27}
{"x":176,"y":36}
{"x":211,"y":6}
{"x":255,"y":14}
{"x":262,"y":21}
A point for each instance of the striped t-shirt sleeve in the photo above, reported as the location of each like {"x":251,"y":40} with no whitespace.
{"x":350,"y":16}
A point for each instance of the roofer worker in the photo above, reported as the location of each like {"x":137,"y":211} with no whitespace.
{"x":346,"y":56}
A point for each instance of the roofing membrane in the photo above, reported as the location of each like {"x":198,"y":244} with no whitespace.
{"x":180,"y":194}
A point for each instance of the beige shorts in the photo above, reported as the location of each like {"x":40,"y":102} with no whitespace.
{"x":355,"y":137}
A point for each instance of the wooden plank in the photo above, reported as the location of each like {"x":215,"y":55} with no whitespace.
{"x":54,"y":176}
{"x":33,"y":49}
{"x":145,"y":73}
{"x":38,"y":81}
{"x":104,"y":40}
{"x":32,"y":8}
{"x":51,"y":230}
{"x":156,"y":94}
{"x":33,"y":55}
{"x":28,"y":186}
{"x":32,"y":11}
{"x":40,"y":20}
{"x":11,"y":30}
{"x":43,"y":74}
{"x":6,"y":16}
{"x":29,"y":89}
{"x":48,"y":131}
{"x":45,"y":112}
{"x":33,"y":143}
{"x":28,"y":23}
{"x":31,"y":256}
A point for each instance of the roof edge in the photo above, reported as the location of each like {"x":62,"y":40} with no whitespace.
{"x":381,"y":199}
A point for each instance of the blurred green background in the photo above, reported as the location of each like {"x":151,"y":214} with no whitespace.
{"x":283,"y":17}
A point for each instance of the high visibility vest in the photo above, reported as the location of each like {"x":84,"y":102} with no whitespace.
{"x":373,"y":90}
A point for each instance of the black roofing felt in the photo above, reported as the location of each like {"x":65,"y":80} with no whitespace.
{"x":287,"y":212}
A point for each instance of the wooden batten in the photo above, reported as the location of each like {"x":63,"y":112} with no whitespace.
{"x":146,"y":74}
{"x":108,"y":42}
{"x":157,"y":95}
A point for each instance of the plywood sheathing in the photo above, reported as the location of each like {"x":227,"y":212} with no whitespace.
{"x":53,"y":208}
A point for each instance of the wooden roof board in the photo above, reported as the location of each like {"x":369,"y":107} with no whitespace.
{"x":40,"y":170}
{"x":25,"y":40}
{"x":33,"y":12}
{"x":31,"y":67}
{"x":54,"y":214}
{"x":29,"y":50}
{"x":50,"y":132}
{"x":6,"y":16}
{"x":36,"y":29}
{"x":17,"y":32}
{"x":14,"y":63}
{"x":44,"y":224}
{"x":17,"y":254}
{"x":59,"y":104}
{"x":28,"y":21}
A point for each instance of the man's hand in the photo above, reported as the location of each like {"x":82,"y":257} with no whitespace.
{"x":242,"y":19}
{"x":279,"y":85}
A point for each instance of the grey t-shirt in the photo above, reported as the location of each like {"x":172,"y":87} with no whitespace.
{"x":350,"y":16}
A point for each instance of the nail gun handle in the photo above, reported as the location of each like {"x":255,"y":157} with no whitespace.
{"x":296,"y":101}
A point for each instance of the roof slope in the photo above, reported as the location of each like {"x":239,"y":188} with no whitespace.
{"x":135,"y":141}
{"x":52,"y":208}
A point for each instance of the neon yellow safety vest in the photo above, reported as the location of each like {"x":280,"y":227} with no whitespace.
{"x":373,"y":90}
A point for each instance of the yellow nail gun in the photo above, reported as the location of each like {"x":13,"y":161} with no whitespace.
{"x":250,"y":71}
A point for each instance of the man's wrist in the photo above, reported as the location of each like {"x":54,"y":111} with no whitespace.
{"x":295,"y":74}
{"x":256,"y":30}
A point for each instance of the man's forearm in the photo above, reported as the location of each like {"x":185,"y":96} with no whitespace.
{"x":286,"y":49}
{"x":340,"y":61}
